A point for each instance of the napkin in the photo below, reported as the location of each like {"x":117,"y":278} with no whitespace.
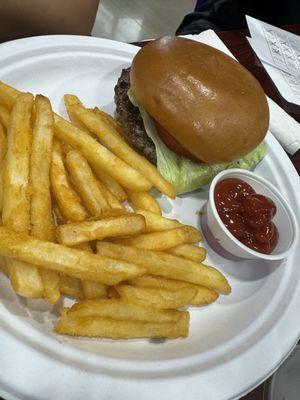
{"x":279,"y":53}
{"x":285,"y":128}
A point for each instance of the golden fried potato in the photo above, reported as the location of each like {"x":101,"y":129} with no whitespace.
{"x":74,"y":262}
{"x":112,"y":139}
{"x":189,"y":251}
{"x":123,"y":225}
{"x":25,"y":278}
{"x":100,"y":157}
{"x":143,"y":201}
{"x":157,"y":297}
{"x":118,"y":329}
{"x":64,"y":195}
{"x":41,"y":218}
{"x":168,"y":266}
{"x":163,"y":240}
{"x":203,"y":294}
{"x":123,"y":310}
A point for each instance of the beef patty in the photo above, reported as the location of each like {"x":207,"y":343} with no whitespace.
{"x":131,"y":120}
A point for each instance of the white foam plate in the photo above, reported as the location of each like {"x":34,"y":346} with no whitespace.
{"x":234,"y":343}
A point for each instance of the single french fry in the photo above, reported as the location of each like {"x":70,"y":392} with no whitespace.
{"x":121,"y":309}
{"x":91,"y":289}
{"x":85,"y":183}
{"x":123,"y":225}
{"x":156,"y":297}
{"x":99,"y":156}
{"x":110,"y":120}
{"x":71,"y":286}
{"x":155,"y":222}
{"x":94,"y":290}
{"x":203,"y":294}
{"x":16,"y":191}
{"x":110,"y":198}
{"x":59,"y":218}
{"x":42,"y":224}
{"x":74,"y":262}
{"x":24,"y":278}
{"x":8,"y":95}
{"x":143,"y":201}
{"x":64,"y":195}
{"x":189,"y":251}
{"x":4,"y":116}
{"x":117,"y":329}
{"x":71,"y":100}
{"x":41,"y":218}
{"x":163,"y":240}
{"x":111,"y":138}
{"x":167,"y":265}
{"x":111,"y":184}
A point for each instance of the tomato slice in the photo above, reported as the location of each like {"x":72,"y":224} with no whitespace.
{"x":173,"y":144}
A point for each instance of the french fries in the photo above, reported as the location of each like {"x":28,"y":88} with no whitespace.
{"x":123,"y":310}
{"x":74,"y":262}
{"x":71,"y":100}
{"x":65,"y":182}
{"x":108,"y":136}
{"x":143,"y":201}
{"x":24,"y":278}
{"x":155,"y":222}
{"x":157,"y":297}
{"x":168,"y":266}
{"x":94,"y":290}
{"x":110,"y":120}
{"x":189,"y":251}
{"x":64,"y":195}
{"x":163,"y":240}
{"x":71,"y":286}
{"x":75,"y":233}
{"x":203,"y":294}
{"x":119,"y":329}
{"x":85,"y":183}
{"x":89,"y":288}
{"x":111,"y":184}
{"x":41,"y":219}
{"x":100,"y":157}
{"x":110,"y":198}
{"x":8,"y":95}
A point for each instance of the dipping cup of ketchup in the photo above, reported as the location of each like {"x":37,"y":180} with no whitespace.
{"x":249,"y":218}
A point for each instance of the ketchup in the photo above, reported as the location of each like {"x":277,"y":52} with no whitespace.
{"x":247,"y":214}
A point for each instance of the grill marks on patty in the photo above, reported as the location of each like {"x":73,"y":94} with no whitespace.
{"x":131,"y":121}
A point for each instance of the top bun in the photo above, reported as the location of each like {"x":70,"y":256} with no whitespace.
{"x":208,"y":101}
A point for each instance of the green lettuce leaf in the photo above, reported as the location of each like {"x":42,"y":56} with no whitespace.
{"x":185,"y":174}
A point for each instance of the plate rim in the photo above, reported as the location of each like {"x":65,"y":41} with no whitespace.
{"x":13,"y":47}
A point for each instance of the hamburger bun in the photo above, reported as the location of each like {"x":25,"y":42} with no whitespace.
{"x":212,"y":106}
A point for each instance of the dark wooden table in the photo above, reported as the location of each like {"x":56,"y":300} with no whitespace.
{"x":238,"y":45}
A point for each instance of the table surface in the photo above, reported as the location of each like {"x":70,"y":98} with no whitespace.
{"x":238,"y":45}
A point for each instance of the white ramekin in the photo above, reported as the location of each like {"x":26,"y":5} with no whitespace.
{"x":284,"y":219}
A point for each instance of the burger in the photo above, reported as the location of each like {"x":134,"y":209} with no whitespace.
{"x":192,"y":111}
